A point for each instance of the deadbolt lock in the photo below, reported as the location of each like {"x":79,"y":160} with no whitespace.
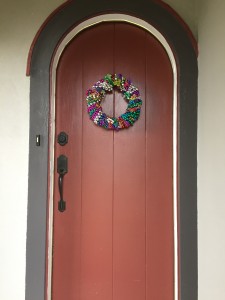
{"x":62,"y":138}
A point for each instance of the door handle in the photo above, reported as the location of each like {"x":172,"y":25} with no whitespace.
{"x":62,"y":169}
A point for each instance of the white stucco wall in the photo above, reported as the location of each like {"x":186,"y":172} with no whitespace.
{"x":19,"y":21}
{"x":211,"y":150}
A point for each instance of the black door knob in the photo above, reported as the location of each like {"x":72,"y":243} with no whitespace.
{"x":62,"y":138}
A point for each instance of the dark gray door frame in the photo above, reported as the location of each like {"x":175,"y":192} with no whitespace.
{"x":171,"y":27}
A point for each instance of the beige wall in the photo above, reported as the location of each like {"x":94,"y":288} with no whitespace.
{"x":211,"y":150}
{"x":19,"y":21}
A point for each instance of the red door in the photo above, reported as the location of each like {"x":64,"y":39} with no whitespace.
{"x":115,"y":240}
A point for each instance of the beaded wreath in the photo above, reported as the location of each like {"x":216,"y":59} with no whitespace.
{"x":97,"y":93}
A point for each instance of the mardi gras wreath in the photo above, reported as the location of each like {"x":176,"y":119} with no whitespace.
{"x":97,"y":93}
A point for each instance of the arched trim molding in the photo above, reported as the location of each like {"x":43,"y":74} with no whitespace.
{"x":43,"y":49}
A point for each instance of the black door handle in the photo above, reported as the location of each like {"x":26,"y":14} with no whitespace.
{"x":62,"y":169}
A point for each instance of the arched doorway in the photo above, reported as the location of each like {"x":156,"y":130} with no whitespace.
{"x":40,"y":76}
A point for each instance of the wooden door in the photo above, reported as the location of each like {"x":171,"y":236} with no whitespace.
{"x":115,"y":240}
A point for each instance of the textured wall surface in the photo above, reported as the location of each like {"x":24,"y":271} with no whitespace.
{"x":19,"y":21}
{"x":211,"y":150}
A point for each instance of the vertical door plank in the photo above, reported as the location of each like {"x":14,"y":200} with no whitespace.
{"x":97,"y":174}
{"x":129,"y":173}
{"x":159,"y":191}
{"x":67,"y":225}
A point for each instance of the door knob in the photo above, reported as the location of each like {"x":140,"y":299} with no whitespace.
{"x":62,"y":138}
